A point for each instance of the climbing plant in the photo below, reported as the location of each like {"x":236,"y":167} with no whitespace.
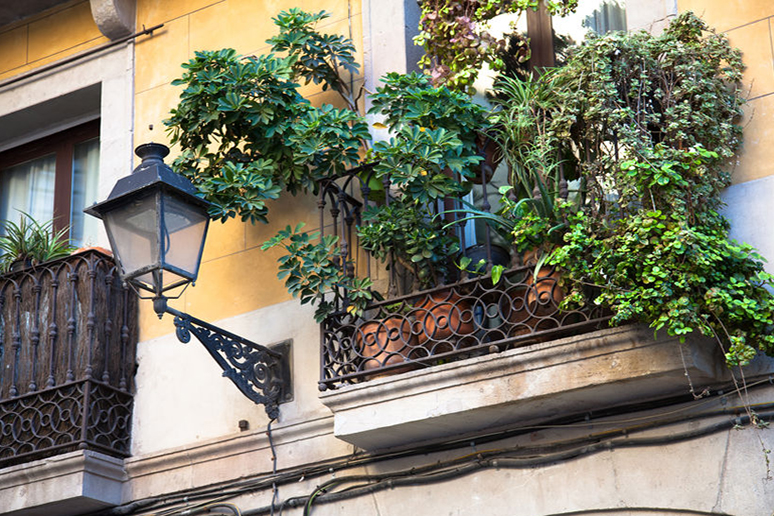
{"x":653,"y":122}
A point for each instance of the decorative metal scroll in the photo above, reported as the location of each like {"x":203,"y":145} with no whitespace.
{"x":462,"y":320}
{"x":83,"y":414}
{"x":260,"y":373}
{"x":68,"y":331}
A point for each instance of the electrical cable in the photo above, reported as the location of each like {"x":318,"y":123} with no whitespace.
{"x":265,"y":482}
{"x":274,"y":489}
{"x":407,"y":477}
{"x":233,"y":489}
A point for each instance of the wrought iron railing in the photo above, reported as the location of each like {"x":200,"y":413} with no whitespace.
{"x":465,"y":316}
{"x":470,"y":318}
{"x":68,"y":331}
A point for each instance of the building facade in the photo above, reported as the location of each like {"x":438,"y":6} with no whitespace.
{"x":600,"y":422}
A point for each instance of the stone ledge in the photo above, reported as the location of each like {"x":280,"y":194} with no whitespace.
{"x":229,"y":457}
{"x":72,"y":483}
{"x":522,"y":386}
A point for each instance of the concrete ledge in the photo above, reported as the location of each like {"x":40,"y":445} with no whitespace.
{"x":225,"y":458}
{"x":114,"y":18}
{"x":73,"y":483}
{"x":522,"y":386}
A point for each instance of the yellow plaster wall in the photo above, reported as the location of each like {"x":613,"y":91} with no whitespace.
{"x":749,"y":25}
{"x":50,"y":36}
{"x":236,"y":276}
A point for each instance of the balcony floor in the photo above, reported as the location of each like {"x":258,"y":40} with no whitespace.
{"x":560,"y":378}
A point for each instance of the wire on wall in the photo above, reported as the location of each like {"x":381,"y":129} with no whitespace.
{"x":615,"y":431}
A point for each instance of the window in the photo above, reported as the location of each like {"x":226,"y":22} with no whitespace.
{"x":552,"y":36}
{"x":54,"y":178}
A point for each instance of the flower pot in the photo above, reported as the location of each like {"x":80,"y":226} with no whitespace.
{"x":20,"y":265}
{"x":442,"y":316}
{"x":384,"y":342}
{"x":536,"y":301}
{"x":544,"y":292}
{"x":476,"y":253}
{"x":488,"y":148}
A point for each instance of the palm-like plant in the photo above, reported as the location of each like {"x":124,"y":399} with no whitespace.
{"x":30,"y":241}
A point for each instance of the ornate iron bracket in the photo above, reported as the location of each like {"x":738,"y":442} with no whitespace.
{"x":262,"y":374}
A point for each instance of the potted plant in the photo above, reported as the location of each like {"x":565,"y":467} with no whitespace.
{"x":29,"y":242}
{"x":241,"y":153}
{"x":535,"y":206}
{"x":430,"y":159}
{"x":651,"y":123}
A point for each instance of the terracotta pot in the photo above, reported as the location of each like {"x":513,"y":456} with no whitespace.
{"x":544,"y":292}
{"x":489,"y":149}
{"x":441,"y":316}
{"x":385,"y":342}
{"x":533,"y":304}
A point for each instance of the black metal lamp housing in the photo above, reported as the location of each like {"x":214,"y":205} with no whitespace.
{"x":157,"y":225}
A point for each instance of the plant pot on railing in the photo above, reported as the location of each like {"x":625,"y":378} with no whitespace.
{"x":545,"y":292}
{"x":534,"y":306}
{"x":20,"y":265}
{"x":490,"y":151}
{"x":441,"y":317}
{"x":385,"y":342}
{"x":479,"y":255}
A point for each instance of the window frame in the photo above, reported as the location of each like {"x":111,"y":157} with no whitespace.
{"x":540,"y":32}
{"x":62,"y":144}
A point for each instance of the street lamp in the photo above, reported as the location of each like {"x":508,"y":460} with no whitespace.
{"x":157,"y":225}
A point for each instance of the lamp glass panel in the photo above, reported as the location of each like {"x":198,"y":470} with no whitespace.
{"x":133,"y":231}
{"x":160,"y":280}
{"x":184,"y":228}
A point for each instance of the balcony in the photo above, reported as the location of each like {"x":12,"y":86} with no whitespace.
{"x":464,"y":315}
{"x":472,"y":356}
{"x":68,"y":331}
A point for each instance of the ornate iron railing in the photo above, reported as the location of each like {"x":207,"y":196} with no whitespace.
{"x":466,"y":316}
{"x":68,"y":331}
{"x":467,"y":319}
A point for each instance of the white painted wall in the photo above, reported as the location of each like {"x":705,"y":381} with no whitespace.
{"x":183,"y":399}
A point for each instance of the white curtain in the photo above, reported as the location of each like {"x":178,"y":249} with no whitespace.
{"x":83,"y":228}
{"x":28,"y":188}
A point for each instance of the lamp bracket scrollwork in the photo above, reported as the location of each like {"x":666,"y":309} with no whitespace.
{"x":261,"y":373}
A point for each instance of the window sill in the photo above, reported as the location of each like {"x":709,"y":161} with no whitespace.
{"x":527,"y":385}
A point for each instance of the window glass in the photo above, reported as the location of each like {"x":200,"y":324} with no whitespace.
{"x":83,"y":228}
{"x":598,"y":16}
{"x":29,"y":188}
{"x":53,"y":179}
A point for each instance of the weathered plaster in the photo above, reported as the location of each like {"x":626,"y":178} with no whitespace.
{"x":522,"y":386}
